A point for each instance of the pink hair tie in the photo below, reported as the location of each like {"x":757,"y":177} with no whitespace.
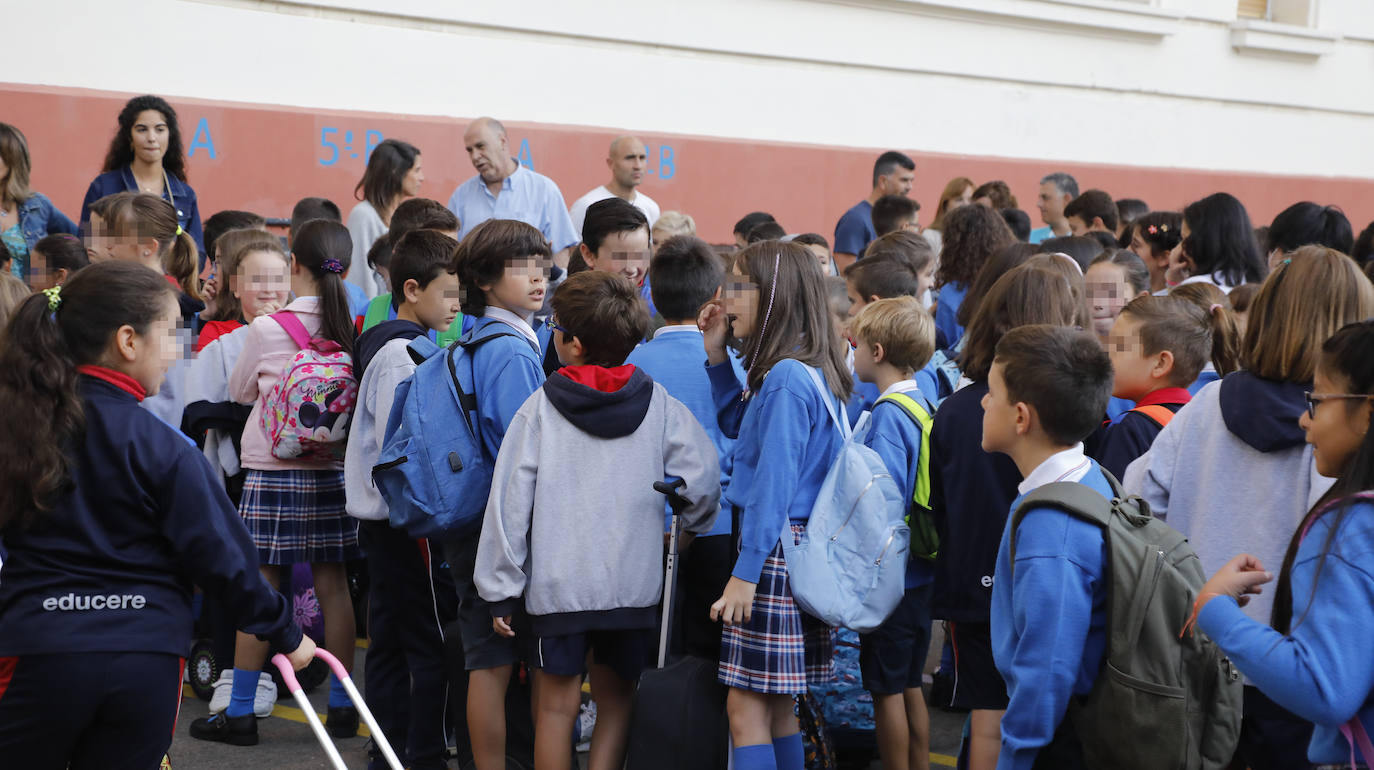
{"x":1214,"y":308}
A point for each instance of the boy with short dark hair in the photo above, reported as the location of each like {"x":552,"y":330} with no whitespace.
{"x":1047,"y":391}
{"x":502,"y":267}
{"x":1093,"y":211}
{"x":573,"y":483}
{"x":893,"y":213}
{"x":405,"y":661}
{"x":894,"y":338}
{"x":686,"y":274}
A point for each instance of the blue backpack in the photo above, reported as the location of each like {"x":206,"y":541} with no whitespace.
{"x":433,"y":471}
{"x":850,"y":567}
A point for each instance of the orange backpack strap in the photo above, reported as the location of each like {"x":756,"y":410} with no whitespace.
{"x":1159,"y":415}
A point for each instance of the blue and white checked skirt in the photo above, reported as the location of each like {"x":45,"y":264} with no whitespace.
{"x":298,"y":517}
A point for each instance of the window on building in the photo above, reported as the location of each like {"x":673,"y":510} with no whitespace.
{"x":1253,"y":9}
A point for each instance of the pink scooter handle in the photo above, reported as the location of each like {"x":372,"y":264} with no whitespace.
{"x":288,"y":675}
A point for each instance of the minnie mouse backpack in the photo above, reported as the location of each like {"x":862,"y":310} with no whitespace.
{"x":307,"y":412}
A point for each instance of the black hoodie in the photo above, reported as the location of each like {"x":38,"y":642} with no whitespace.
{"x":373,"y":340}
{"x":1263,"y":413}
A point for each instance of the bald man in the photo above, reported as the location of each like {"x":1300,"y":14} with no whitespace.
{"x":626,"y":160}
{"x":504,"y":189}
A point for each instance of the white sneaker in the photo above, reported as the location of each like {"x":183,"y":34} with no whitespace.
{"x":263,"y":700}
{"x":266,"y":696}
{"x":224,"y":687}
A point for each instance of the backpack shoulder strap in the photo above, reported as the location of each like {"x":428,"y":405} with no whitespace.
{"x":421,"y":349}
{"x":469,"y":343}
{"x":924,"y":422}
{"x":1156,"y":413}
{"x":378,"y":310}
{"x":1077,"y":500}
{"x":294,"y":328}
{"x":829,"y":399}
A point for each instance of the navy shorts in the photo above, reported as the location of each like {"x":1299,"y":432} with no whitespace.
{"x":626,"y":651}
{"x":977,"y":682}
{"x":892,"y":657}
{"x":483,"y":648}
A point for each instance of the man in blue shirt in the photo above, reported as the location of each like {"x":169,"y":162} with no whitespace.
{"x":504,"y":189}
{"x":892,"y":175}
{"x":1056,"y":190}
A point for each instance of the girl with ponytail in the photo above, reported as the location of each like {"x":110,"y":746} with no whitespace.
{"x":294,"y":509}
{"x":108,"y":518}
{"x":1313,"y":660}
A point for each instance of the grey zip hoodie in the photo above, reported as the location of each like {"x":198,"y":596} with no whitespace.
{"x":573,"y":524}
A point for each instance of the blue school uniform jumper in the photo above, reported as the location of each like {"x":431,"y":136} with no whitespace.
{"x":95,"y":604}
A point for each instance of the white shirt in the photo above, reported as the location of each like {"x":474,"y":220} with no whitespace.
{"x":676,"y":328}
{"x":901,"y":386}
{"x":521,"y":323}
{"x":1068,"y":465}
{"x":578,"y":210}
{"x":1213,"y":279}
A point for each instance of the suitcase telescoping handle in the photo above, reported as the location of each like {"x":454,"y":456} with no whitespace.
{"x":679,"y":504}
{"x":288,"y":675}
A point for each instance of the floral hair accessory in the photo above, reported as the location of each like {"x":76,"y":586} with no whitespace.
{"x":332,"y":265}
{"x":54,"y":296}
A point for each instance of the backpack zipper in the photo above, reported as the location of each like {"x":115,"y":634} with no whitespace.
{"x":855,"y":506}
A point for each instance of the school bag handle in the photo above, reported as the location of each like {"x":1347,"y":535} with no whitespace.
{"x":829,"y":399}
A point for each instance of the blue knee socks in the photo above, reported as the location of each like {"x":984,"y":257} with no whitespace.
{"x":788,"y":752}
{"x":757,"y":757}
{"x":338,"y":696}
{"x":242,"y":693}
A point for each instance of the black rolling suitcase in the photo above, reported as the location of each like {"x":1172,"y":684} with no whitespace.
{"x":679,"y":718}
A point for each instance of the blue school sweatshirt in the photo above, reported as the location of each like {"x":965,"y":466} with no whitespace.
{"x":785,"y":444}
{"x":673,"y":359}
{"x":1131,"y":435}
{"x":896,"y":437}
{"x":971,"y":492}
{"x":111,"y":567}
{"x":949,"y":299}
{"x":505,"y":372}
{"x":1322,"y":670}
{"x":1049,"y":621}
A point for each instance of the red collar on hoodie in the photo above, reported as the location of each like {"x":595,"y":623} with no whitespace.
{"x":118,"y":379}
{"x":607,"y":379}
{"x":1166,"y":396}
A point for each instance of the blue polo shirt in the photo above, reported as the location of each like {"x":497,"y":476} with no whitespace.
{"x":525,"y":196}
{"x":855,"y":230}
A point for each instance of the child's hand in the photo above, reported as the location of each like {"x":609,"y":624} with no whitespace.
{"x":303,"y":654}
{"x":1177,"y":271}
{"x":208,"y":291}
{"x":266,"y":309}
{"x":502,"y":626}
{"x":715,"y":327}
{"x":736,"y":605}
{"x":1239,"y":578}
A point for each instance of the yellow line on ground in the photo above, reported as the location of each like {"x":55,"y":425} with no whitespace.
{"x":944,"y":760}
{"x":290,"y":713}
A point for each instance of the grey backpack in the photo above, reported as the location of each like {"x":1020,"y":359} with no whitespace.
{"x":1163,"y":700}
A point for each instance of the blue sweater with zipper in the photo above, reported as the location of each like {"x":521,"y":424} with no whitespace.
{"x":1049,"y":621}
{"x":505,"y":372}
{"x":896,"y":437}
{"x":111,"y":568}
{"x":1322,"y":670}
{"x":785,"y":444}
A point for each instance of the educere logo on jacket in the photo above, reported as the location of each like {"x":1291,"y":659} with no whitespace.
{"x":73,"y":603}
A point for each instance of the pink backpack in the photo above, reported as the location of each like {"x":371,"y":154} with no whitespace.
{"x":306,"y":414}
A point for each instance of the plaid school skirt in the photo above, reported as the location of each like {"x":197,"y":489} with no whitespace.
{"x":298,"y":517}
{"x":780,"y":649}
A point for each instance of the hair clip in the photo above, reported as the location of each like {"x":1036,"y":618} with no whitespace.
{"x":1164,"y":228}
{"x":332,"y":265}
{"x":1152,"y":229}
{"x":54,"y":296}
{"x":1288,"y":261}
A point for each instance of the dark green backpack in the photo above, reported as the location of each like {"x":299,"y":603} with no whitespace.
{"x":1163,"y":699}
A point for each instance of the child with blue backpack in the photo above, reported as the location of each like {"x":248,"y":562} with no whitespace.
{"x":406,"y":684}
{"x":1047,"y":390}
{"x":786,"y":441}
{"x":502,"y":267}
{"x":893,"y":338}
{"x":574,"y":481}
{"x":294,"y":506}
{"x":684,"y":275}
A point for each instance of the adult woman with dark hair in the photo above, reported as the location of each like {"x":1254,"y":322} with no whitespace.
{"x":26,"y":217}
{"x":146,"y":156}
{"x":393,"y":174}
{"x":1218,"y":244}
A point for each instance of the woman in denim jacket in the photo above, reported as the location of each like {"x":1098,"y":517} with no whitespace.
{"x":146,"y":156}
{"x":25,"y":216}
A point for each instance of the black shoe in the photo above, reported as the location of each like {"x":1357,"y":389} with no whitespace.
{"x":342,"y":721}
{"x":222,"y":728}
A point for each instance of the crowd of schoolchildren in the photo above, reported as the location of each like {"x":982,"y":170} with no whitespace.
{"x":190,"y":412}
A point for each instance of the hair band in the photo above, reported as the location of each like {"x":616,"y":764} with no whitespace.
{"x":54,"y":296}
{"x":1214,"y":308}
{"x":179,"y":230}
{"x":332,"y":265}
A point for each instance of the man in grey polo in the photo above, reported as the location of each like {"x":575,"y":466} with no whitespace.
{"x":504,"y":189}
